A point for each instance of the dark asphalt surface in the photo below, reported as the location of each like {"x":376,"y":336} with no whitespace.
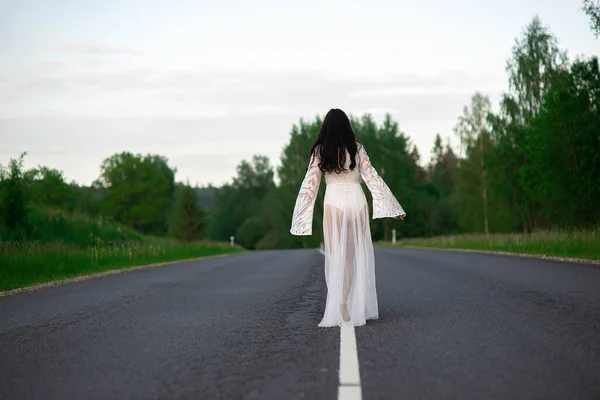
{"x":452,"y":325}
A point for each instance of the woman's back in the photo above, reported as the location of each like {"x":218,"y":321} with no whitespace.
{"x":347,"y":176}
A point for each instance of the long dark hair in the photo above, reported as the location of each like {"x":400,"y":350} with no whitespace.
{"x":335,"y":137}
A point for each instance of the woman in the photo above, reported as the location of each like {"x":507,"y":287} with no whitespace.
{"x":349,"y":258}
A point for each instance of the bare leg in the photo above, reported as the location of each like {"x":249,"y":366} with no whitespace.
{"x":349,"y":265}
{"x":349,"y":262}
{"x":330,"y":241}
{"x":336,"y":241}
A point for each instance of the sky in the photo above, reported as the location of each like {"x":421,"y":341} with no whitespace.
{"x":210,"y":83}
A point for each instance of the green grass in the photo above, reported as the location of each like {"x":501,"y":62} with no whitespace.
{"x":63,"y":246}
{"x":585,"y":245}
{"x":47,"y":225}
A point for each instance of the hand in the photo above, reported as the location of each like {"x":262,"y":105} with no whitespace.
{"x":399,"y":217}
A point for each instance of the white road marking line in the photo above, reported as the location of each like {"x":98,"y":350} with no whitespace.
{"x":349,"y":393}
{"x":349,"y":374}
{"x":349,"y":388}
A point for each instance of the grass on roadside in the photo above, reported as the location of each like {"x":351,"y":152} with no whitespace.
{"x":582,"y":244}
{"x":26,"y":263}
{"x":63,"y":245}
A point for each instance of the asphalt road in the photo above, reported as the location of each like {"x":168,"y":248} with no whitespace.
{"x":452,"y":325}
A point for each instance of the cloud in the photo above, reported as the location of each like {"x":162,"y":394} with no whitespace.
{"x":203,"y":150}
{"x":54,"y":149}
{"x":420,"y":91}
{"x":223,"y":114}
{"x":83,"y":47}
{"x":138,"y":90}
{"x":259,"y":110}
{"x":378,"y":111}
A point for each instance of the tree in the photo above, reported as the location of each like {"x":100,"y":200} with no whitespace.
{"x":255,"y":179}
{"x":243,"y":199}
{"x":536,"y":60}
{"x":473,"y":130}
{"x":189,"y":221}
{"x":206,"y":196}
{"x":563,"y":147}
{"x":441,"y":174}
{"x":227,"y":215}
{"x":139,"y":190}
{"x":294,"y":158}
{"x":88,"y":200}
{"x":50,"y":188}
{"x":424,"y":219}
{"x":592,"y":10}
{"x":275,"y":213}
{"x":253,"y":183}
{"x":421,"y":174}
{"x":442,"y":166}
{"x":252,"y":230}
{"x":15,"y":193}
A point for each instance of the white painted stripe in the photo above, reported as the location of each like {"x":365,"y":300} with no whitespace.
{"x":349,"y":388}
{"x":349,"y":393}
{"x":349,"y":374}
{"x":349,"y":370}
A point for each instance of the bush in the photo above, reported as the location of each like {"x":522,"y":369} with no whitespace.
{"x":14,"y":193}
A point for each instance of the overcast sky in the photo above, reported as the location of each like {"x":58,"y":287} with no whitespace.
{"x":209,"y":83}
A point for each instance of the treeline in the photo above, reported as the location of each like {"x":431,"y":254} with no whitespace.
{"x":137,"y":191}
{"x":533,"y":164}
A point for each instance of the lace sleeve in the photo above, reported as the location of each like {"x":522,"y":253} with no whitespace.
{"x":384,"y":202}
{"x":305,"y":202}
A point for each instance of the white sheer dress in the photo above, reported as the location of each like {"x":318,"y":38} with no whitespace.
{"x":349,"y":257}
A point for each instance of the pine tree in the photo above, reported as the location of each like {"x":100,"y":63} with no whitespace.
{"x":190,"y":217}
